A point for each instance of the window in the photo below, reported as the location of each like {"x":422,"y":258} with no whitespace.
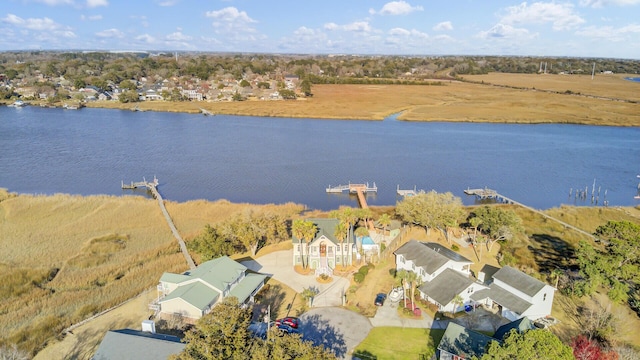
{"x":413,"y":266}
{"x":470,"y":290}
{"x":544,"y":297}
{"x":400,"y":259}
{"x":298,"y":248}
{"x":346,"y":247}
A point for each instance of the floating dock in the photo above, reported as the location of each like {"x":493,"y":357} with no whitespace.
{"x":353,"y":188}
{"x":408,"y":192}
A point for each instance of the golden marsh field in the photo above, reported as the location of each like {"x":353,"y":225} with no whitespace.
{"x":496,"y":97}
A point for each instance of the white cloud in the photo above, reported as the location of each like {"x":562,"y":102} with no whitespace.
{"x":443,"y":26}
{"x":230,"y":14}
{"x":397,"y":8}
{"x":404,"y":32}
{"x":602,"y":3}
{"x":236,"y":25}
{"x":146,"y":38}
{"x":503,"y":31}
{"x":110,"y":33}
{"x":356,"y":26}
{"x":55,"y":2}
{"x":561,"y":16}
{"x":43,"y":24}
{"x":178,"y":36}
{"x":167,"y":2}
{"x":609,"y":33}
{"x":96,"y":3}
{"x":91,"y":17}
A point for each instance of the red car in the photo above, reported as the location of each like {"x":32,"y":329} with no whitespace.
{"x":293,"y":322}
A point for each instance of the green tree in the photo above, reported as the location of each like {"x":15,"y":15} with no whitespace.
{"x":498,"y":224}
{"x":221,"y":334}
{"x":129,"y":96}
{"x":288,"y":94}
{"x":128,"y":85}
{"x":537,"y":344}
{"x":431,"y":210}
{"x":244,"y":83}
{"x":385,"y":221}
{"x":237,"y":96}
{"x":305,"y":231}
{"x":305,"y":87}
{"x":617,"y":266}
{"x":341,"y":232}
{"x":210,"y":244}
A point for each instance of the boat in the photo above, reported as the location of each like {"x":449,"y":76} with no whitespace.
{"x":18,"y":103}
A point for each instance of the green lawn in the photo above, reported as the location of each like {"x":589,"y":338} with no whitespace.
{"x":397,"y":343}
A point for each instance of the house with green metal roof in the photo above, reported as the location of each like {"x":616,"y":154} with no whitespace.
{"x":193,"y":293}
{"x":325,"y":251}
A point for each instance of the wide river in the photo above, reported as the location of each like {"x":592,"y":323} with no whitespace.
{"x":276,"y":160}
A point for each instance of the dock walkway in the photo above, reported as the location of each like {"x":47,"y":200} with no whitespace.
{"x":153,"y":187}
{"x":493,"y":194}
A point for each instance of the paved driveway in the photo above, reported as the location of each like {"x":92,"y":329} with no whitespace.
{"x":279,"y":265}
{"x":335,"y":328}
{"x":387,"y":315}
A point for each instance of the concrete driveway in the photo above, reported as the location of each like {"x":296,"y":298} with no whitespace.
{"x":337,"y":329}
{"x":279,"y":265}
{"x":387,"y":315}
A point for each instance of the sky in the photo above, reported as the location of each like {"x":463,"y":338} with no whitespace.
{"x":574,"y":28}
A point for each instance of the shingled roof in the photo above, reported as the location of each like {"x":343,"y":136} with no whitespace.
{"x":519,"y":280}
{"x":446,"y":286}
{"x":140,"y":345}
{"x":429,"y":256}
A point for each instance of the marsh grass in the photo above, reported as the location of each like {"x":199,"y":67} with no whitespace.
{"x":518,"y":99}
{"x":68,"y":257}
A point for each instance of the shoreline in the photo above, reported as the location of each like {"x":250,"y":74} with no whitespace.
{"x":497,"y":98}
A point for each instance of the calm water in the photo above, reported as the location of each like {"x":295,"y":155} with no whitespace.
{"x":276,"y":160}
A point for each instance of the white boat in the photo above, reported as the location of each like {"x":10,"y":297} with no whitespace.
{"x":18,"y":103}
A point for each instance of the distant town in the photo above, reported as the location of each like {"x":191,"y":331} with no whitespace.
{"x":75,"y":78}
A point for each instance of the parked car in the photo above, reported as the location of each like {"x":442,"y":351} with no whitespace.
{"x":293,"y":322}
{"x":380,"y":298}
{"x":286,"y":329}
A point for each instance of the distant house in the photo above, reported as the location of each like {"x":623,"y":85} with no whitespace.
{"x":193,"y":294}
{"x":444,"y":273}
{"x":192,"y":95}
{"x":130,"y":344}
{"x":325,"y":251}
{"x":460,"y":343}
{"x":516,"y":294}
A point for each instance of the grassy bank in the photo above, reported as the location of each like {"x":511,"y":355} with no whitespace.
{"x":68,"y":257}
{"x":518,"y":98}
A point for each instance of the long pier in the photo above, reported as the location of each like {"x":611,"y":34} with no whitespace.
{"x":153,"y":187}
{"x":359,"y":189}
{"x":487,"y":193}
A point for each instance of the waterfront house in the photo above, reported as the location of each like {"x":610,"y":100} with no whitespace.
{"x":193,"y":293}
{"x":515,"y":294}
{"x":324,"y":251}
{"x":444,"y":274}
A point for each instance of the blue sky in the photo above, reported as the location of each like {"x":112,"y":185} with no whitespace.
{"x":588,"y":28}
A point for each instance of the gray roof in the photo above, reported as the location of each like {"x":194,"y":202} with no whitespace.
{"x":219,"y":272}
{"x":133,"y":344}
{"x":444,"y":287}
{"x":519,"y":280}
{"x":521,"y":325}
{"x":429,"y":256}
{"x":502,"y":297}
{"x":460,"y":341}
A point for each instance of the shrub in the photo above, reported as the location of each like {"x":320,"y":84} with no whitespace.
{"x":358,"y":277}
{"x":364,"y":270}
{"x":455,"y":247}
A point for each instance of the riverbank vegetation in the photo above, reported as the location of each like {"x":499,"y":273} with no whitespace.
{"x":69,"y":257}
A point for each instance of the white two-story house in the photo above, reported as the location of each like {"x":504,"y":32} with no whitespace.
{"x":325,"y":251}
{"x":444,"y":274}
{"x":193,"y":294}
{"x":515,"y":294}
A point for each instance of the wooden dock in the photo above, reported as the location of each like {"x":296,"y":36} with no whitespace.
{"x":487,"y":193}
{"x":206,"y":112}
{"x":359,"y":189}
{"x":153,"y":187}
{"x":408,"y":192}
